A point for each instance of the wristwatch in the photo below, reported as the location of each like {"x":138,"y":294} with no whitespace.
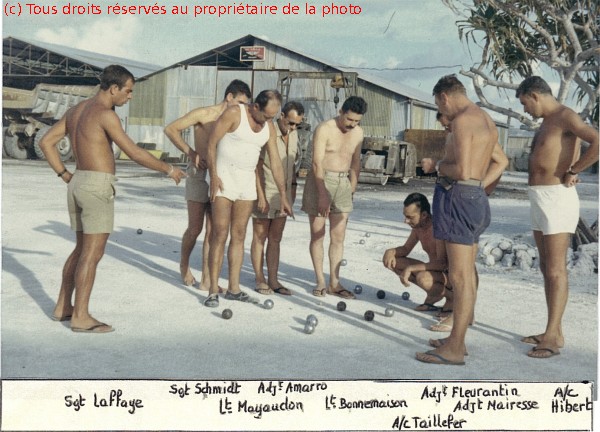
{"x":571,"y":172}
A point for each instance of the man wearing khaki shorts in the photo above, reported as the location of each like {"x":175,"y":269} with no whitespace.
{"x":329,"y":188}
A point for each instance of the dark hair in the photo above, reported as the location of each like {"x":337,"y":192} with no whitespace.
{"x":533,"y":84}
{"x":449,"y":84}
{"x":115,"y":74}
{"x":237,"y":87}
{"x":293,"y":106}
{"x":265,"y":96}
{"x":356,"y":104}
{"x":420,"y":200}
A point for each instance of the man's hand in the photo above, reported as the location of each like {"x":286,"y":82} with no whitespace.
{"x":389,"y":259}
{"x":175,"y":173}
{"x":324,"y":205}
{"x":428,"y":165}
{"x":66,"y":177}
{"x":215,"y":187}
{"x":262,"y":204}
{"x":286,"y":207}
{"x":570,"y":180}
{"x":405,"y":276}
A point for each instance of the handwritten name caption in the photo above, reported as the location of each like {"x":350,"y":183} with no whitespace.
{"x":115,"y":399}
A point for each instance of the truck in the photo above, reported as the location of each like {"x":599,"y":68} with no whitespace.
{"x":29,"y":114}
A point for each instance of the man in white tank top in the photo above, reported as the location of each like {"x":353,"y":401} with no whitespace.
{"x":233,"y":150}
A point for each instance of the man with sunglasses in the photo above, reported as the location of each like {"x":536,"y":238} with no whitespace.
{"x":268,"y":222}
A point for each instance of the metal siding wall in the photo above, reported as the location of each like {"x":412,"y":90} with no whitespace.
{"x":224,"y":77}
{"x":377,"y":120}
{"x":147,"y":105}
{"x":399,"y":117}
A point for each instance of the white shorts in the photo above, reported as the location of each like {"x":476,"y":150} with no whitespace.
{"x":236,"y":184}
{"x":554,"y":208}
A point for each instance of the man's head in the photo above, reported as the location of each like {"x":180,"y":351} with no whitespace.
{"x":119,"y":82}
{"x":531,"y":93}
{"x":351,"y":113}
{"x":446,"y":91}
{"x":416,"y":209}
{"x":292,"y":115}
{"x":266,"y":106}
{"x":237,"y":92}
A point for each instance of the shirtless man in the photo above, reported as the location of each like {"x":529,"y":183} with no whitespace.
{"x":267,"y":222}
{"x":329,"y":189}
{"x":554,"y":164}
{"x":234,"y":147}
{"x":92,"y":125}
{"x":196,"y":187}
{"x":461,"y":210}
{"x":417,"y":215}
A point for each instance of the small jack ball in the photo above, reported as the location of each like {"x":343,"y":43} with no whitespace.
{"x":312,"y":320}
{"x":139,"y":231}
{"x":344,"y":262}
{"x":269,"y":304}
{"x":369,"y":315}
{"x":405,"y":295}
{"x":358,"y":289}
{"x":309,"y":329}
{"x":367,"y":234}
{"x":341,"y":306}
{"x":362,"y":241}
{"x":226,"y":314}
{"x":381,"y":294}
{"x":389,"y":312}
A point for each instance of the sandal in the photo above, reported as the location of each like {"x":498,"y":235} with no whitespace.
{"x":212,"y":300}
{"x":320,"y":292}
{"x":263,"y":288}
{"x":282,"y":290}
{"x":241,"y":296}
{"x":343,"y":293}
{"x":427,"y":307}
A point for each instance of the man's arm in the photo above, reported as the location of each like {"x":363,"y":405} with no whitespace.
{"x":48,"y":146}
{"x":390,"y":255}
{"x":173,"y":131}
{"x":587,"y":133}
{"x":355,"y":163}
{"x":112,"y":126}
{"x":498,"y":164}
{"x":462,"y":133}
{"x":277,"y":169}
{"x":319,"y":143}
{"x":262,"y":204}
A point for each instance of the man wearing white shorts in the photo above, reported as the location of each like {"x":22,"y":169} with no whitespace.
{"x":554,"y":164}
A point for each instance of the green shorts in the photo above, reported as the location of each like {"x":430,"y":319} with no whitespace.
{"x":196,"y":186}
{"x":338,"y":188}
{"x":91,"y":202}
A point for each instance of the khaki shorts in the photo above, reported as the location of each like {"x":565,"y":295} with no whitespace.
{"x":338,"y":188}
{"x":91,"y":202}
{"x":196,"y":186}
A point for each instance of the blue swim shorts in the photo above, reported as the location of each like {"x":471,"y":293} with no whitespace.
{"x":461,"y":213}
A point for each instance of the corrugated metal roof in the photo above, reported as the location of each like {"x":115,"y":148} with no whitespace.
{"x":138,"y":69}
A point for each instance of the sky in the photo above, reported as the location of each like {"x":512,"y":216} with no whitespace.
{"x":417,"y":39}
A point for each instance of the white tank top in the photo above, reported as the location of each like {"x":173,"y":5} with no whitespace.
{"x":240,"y":149}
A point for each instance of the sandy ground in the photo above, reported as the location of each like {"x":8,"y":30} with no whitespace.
{"x":164,"y":331}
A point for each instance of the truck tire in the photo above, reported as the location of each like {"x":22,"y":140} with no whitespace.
{"x":12,"y":148}
{"x":64,"y":145}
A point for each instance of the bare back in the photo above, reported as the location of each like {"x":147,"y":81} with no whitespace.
{"x":553,"y":150}
{"x":203,"y":128}
{"x":471,"y":143}
{"x":89,"y":138}
{"x":339,"y":147}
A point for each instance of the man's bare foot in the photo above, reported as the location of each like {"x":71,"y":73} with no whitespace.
{"x":538,"y":339}
{"x":441,"y":356}
{"x":186,"y":277}
{"x":90,"y":325}
{"x":340,"y":291}
{"x":203,"y":287}
{"x":446,"y":324}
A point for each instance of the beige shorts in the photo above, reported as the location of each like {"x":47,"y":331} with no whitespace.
{"x":554,"y":208}
{"x":91,"y":202}
{"x":196,"y":186}
{"x":338,"y":188}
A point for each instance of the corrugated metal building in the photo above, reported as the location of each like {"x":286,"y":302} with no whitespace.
{"x":166,"y":95}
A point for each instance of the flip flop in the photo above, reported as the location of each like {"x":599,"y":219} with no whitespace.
{"x":343,"y":293}
{"x":441,"y":327}
{"x":263,"y":288}
{"x":96,"y":328}
{"x":437,"y":359}
{"x":436,"y":343}
{"x":319,"y":292}
{"x":212,"y":300}
{"x":282,"y":290}
{"x":241,"y":296}
{"x":532,"y":340}
{"x":550,"y":351}
{"x":427,"y":307}
{"x":65,"y":318}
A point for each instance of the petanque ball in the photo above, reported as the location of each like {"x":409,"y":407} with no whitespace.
{"x":309,"y":329}
{"x":139,"y":231}
{"x":341,"y":306}
{"x":405,"y":295}
{"x":369,"y":315}
{"x":389,"y":312}
{"x":381,"y":294}
{"x":344,"y":262}
{"x":358,"y":289}
{"x":312,"y":320}
{"x":367,"y":234}
{"x":269,"y":304}
{"x":226,"y":314}
{"x":362,"y":241}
